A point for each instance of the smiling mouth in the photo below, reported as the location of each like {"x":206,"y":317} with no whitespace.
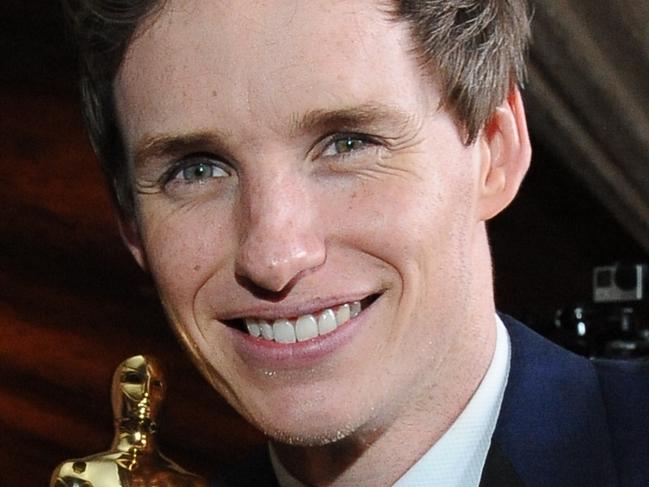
{"x":304,"y":327}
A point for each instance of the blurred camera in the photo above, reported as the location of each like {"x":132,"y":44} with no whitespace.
{"x":619,"y":283}
{"x":615,"y":324}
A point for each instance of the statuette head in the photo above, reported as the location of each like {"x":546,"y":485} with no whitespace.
{"x":138,"y":389}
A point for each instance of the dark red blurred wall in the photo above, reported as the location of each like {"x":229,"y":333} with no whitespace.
{"x":72,"y":302}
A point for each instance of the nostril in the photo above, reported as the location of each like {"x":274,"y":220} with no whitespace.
{"x":271,"y":257}
{"x":263,"y":293}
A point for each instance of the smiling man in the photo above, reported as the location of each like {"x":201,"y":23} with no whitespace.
{"x":308,"y":183}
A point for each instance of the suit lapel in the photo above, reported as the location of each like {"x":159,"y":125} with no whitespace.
{"x":255,"y":471}
{"x":498,"y":471}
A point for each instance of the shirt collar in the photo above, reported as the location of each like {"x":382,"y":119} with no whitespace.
{"x":458,"y":457}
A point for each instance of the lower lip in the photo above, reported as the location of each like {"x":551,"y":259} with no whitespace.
{"x":266,"y":353}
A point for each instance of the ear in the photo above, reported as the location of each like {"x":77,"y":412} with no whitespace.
{"x":131,"y":237}
{"x":505,"y":156}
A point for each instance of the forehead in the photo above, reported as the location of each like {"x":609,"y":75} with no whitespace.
{"x":294,"y":30}
{"x":235,"y":60}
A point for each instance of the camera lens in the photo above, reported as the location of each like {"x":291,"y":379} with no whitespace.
{"x":626,"y":277}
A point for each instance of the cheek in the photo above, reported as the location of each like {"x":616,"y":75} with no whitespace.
{"x":419,"y":229}
{"x":407,"y":219}
{"x":183,"y":248}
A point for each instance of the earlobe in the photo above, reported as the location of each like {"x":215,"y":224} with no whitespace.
{"x":131,"y":237}
{"x":505,"y":156}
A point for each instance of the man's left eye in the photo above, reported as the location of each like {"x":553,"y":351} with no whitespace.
{"x":345,"y":145}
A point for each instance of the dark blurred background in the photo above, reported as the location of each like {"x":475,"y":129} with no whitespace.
{"x":73,"y":304}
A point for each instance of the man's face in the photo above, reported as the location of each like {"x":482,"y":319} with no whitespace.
{"x":289,"y":159}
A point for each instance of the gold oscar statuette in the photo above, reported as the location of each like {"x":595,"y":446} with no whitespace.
{"x":137,"y":393}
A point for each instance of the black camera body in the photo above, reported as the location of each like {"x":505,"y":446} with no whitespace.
{"x":616,"y":323}
{"x":620,"y":283}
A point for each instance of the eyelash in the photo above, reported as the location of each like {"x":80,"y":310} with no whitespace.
{"x":189,"y":161}
{"x":366,"y":140}
{"x":210,"y":160}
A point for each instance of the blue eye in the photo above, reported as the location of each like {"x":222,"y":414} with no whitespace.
{"x":198,"y":170}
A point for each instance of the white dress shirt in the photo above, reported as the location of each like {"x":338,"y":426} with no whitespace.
{"x":458,"y":457}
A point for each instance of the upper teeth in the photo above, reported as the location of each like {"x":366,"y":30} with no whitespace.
{"x":305,"y":327}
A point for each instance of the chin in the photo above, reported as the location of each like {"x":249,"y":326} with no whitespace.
{"x":308,"y":438}
{"x":308,"y":428}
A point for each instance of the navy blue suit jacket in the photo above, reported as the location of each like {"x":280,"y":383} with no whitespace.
{"x":564,"y":421}
{"x":569,"y":421}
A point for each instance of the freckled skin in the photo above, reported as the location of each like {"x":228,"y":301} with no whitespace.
{"x":399,"y":217}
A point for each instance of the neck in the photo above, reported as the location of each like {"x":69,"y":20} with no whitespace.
{"x":134,"y":435}
{"x":381,"y":454}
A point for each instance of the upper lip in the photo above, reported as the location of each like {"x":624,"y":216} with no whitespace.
{"x":291,"y":310}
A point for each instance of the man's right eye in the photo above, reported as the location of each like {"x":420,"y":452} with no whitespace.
{"x":197,"y":170}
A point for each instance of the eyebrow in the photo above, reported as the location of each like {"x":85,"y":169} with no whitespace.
{"x":364,"y":115}
{"x":156,"y":146}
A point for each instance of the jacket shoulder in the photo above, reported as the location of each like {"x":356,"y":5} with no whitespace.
{"x":585,"y":421}
{"x":625,"y":393}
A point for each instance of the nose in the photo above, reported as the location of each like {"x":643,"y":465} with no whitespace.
{"x":281,"y":239}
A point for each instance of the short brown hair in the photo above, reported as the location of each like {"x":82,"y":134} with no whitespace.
{"x":475,"y":48}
